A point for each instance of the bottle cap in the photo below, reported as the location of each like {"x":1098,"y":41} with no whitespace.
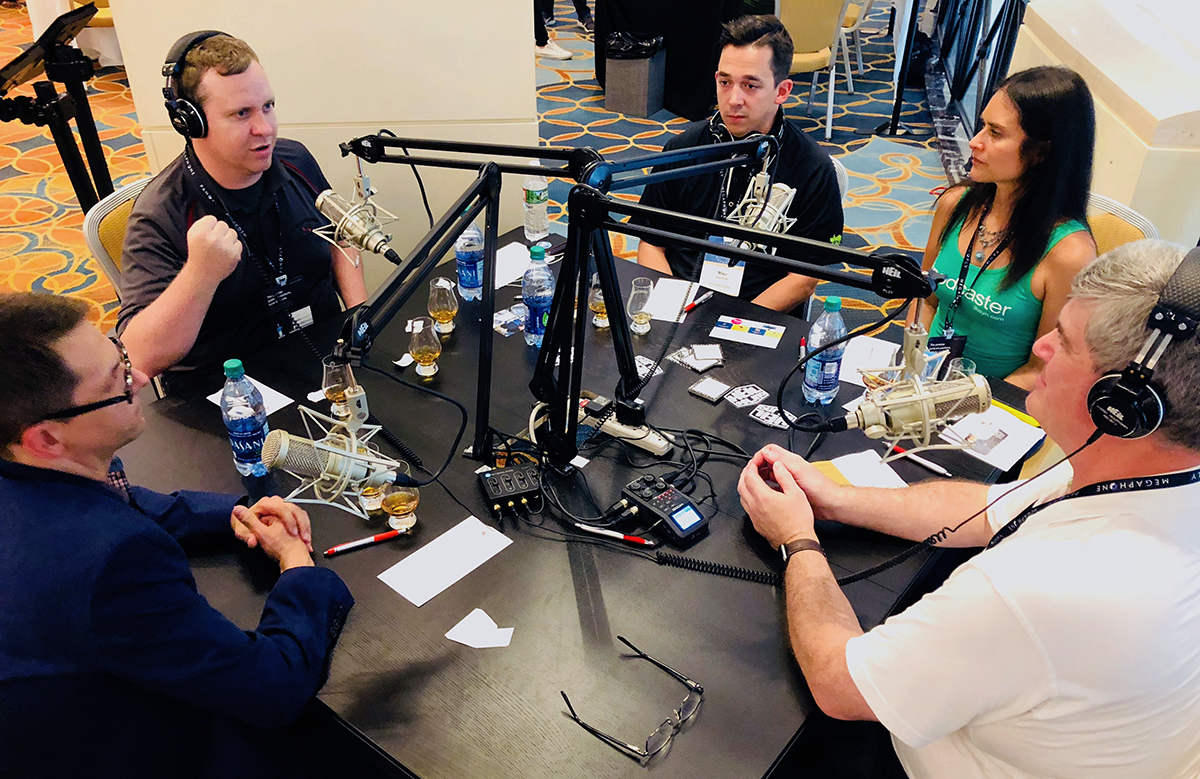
{"x":234,"y":369}
{"x":833,"y":303}
{"x":537,"y":253}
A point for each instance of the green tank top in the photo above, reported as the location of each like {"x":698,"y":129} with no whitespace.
{"x":1000,"y":325}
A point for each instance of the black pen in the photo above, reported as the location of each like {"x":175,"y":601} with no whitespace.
{"x":702,"y":299}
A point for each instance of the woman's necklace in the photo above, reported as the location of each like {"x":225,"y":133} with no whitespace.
{"x":986,"y":237}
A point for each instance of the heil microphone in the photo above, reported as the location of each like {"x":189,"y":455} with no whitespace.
{"x":356,"y":224}
{"x":302,"y":457}
{"x":915,"y":408}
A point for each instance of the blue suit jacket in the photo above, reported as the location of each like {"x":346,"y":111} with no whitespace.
{"x":112,"y":664}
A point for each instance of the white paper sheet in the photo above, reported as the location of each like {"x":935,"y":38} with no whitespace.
{"x":747,"y":331}
{"x":865,"y":352}
{"x":1006,"y":438}
{"x":273,"y":400}
{"x":863,"y":469}
{"x":479,"y":631}
{"x":511,"y":262}
{"x":444,"y":560}
{"x":669,"y":297}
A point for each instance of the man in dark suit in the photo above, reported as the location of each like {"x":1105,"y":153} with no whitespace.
{"x":111,"y":663}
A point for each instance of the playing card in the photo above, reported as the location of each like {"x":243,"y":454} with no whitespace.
{"x":746,"y":395}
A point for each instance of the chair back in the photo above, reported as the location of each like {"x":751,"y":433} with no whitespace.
{"x":843,"y":178}
{"x":813,"y":24}
{"x":1114,"y":224}
{"x":104,"y":229}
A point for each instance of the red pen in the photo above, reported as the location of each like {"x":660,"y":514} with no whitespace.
{"x":369,"y":541}
{"x":702,"y":299}
{"x":599,"y":531}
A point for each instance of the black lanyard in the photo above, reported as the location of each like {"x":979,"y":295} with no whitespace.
{"x":276,"y":270}
{"x":948,"y":328}
{"x":1100,"y":488}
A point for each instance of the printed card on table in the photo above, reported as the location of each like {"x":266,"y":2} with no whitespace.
{"x":748,"y":331}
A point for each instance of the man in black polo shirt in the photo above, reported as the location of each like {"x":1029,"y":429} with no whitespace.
{"x":752,"y":85}
{"x":220,"y":259}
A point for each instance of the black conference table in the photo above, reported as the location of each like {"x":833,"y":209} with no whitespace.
{"x":434,"y":708}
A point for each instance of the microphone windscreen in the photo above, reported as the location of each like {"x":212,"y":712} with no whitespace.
{"x":292,"y":453}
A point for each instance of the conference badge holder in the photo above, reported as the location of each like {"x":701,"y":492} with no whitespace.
{"x":287,"y":305}
{"x":718,"y":273}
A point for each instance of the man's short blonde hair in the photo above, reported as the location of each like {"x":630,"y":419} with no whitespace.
{"x":226,"y":54}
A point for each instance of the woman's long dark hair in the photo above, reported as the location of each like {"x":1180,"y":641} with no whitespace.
{"x":1055,"y":109}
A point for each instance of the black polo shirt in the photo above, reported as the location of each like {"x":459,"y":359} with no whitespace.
{"x":801,"y":164}
{"x":276,"y":213}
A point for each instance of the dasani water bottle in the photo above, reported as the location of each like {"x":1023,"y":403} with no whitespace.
{"x":468,"y":256}
{"x":822,"y":371}
{"x":245,"y":418}
{"x":537,"y":292}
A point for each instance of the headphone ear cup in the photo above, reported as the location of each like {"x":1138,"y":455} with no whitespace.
{"x":1122,"y":411}
{"x":187,"y":118}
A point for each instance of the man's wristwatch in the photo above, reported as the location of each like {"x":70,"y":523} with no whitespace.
{"x":799,"y":545}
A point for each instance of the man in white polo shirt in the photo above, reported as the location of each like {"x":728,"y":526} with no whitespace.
{"x":1070,"y":647}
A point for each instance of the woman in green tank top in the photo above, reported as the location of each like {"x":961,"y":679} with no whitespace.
{"x":1011,"y":239}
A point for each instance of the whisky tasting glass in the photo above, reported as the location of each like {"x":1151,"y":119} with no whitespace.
{"x":638,"y":298}
{"x":424,"y":346}
{"x":401,"y":503}
{"x":336,"y":379}
{"x":596,"y":302}
{"x":443,"y":304}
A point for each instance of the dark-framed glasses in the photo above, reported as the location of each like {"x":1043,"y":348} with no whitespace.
{"x":657,"y":741}
{"x":126,"y":397}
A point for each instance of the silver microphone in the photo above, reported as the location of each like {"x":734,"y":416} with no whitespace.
{"x":303,"y":458}
{"x":913,"y":408}
{"x":354,"y":223}
{"x":764,"y":211}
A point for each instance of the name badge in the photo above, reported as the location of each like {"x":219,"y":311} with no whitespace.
{"x":717,"y":274}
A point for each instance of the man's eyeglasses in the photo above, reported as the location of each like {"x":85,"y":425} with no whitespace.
{"x":662,"y":735}
{"x":126,"y":397}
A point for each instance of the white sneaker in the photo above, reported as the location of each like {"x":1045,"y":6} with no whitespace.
{"x":553,"y":51}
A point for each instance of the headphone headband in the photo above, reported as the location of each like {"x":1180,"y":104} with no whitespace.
{"x":187,"y":117}
{"x":1128,"y":404}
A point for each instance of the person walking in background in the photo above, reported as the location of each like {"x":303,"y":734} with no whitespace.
{"x":542,"y":45}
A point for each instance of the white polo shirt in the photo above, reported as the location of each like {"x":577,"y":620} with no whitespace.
{"x":1070,"y":649}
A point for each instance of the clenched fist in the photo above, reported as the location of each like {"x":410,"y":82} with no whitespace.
{"x":214,"y":249}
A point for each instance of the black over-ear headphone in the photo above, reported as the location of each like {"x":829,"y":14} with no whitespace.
{"x":186,"y":116}
{"x":1128,"y":404}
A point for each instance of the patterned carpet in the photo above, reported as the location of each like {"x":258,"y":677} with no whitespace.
{"x":41,"y":240}
{"x":41,"y":226}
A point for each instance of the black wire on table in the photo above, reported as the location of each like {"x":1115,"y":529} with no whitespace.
{"x":462,"y":427}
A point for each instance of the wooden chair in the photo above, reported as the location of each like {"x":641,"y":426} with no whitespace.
{"x":816,"y":30}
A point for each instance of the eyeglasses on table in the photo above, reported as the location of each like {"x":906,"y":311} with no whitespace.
{"x":658,"y":740}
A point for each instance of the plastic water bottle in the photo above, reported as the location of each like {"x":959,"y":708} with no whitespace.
{"x":468,"y":256}
{"x":246,"y":419}
{"x":537,"y":197}
{"x":537,"y":292}
{"x":821,"y":372}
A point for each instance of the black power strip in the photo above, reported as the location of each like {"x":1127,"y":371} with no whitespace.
{"x":503,"y":487}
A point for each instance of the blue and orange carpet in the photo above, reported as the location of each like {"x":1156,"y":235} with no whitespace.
{"x":887,"y":205}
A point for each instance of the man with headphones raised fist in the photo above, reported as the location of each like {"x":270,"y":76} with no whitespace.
{"x":752,"y":85}
{"x":219,"y":257}
{"x":1070,"y":645}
